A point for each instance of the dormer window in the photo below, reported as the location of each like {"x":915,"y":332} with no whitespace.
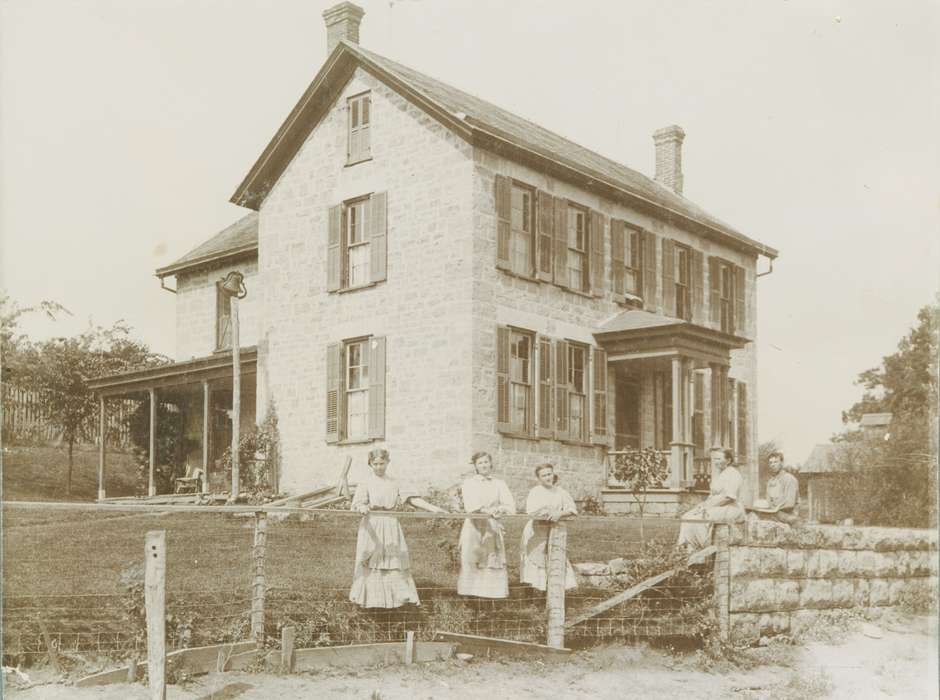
{"x":359,"y":146}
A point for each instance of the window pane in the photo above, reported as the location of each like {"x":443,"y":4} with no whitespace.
{"x":576,"y":270}
{"x":354,"y":113}
{"x":365,"y":109}
{"x":521,"y":252}
{"x":520,"y":408}
{"x":357,"y":414}
{"x":576,"y":358}
{"x":519,"y":358}
{"x":359,"y":265}
{"x":576,"y":422}
{"x":630,"y":280}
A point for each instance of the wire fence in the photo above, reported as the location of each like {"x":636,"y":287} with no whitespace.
{"x":73,"y":580}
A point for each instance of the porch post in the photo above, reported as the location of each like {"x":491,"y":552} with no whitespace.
{"x":205,"y":436}
{"x":151,"y":485}
{"x":675,"y":456}
{"x":101,"y":448}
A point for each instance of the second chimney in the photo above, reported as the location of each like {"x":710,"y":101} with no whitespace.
{"x":342,"y":22}
{"x":668,"y":142}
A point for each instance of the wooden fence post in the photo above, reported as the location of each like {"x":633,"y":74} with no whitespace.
{"x":287,"y":649}
{"x":155,"y":600}
{"x":258,"y":584}
{"x":556,"y":570}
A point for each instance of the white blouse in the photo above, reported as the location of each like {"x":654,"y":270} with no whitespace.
{"x":481,"y":492}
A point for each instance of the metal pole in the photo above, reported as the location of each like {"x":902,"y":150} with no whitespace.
{"x":236,"y":395}
{"x":101,"y":449}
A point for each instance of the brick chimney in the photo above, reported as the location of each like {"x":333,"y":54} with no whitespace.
{"x":668,"y":142}
{"x":342,"y":22}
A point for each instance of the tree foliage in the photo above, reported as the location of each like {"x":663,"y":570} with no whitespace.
{"x":641,"y":470}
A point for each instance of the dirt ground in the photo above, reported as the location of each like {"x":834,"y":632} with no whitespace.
{"x":895,"y":659}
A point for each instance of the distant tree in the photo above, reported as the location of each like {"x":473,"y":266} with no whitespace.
{"x":12,"y":343}
{"x":58,"y":369}
{"x":894,"y":479}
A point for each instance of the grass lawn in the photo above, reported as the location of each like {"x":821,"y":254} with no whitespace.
{"x":38,"y":473}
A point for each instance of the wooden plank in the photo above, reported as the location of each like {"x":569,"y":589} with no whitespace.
{"x":409,"y":648}
{"x":258,"y":584}
{"x":360,"y":655}
{"x":50,"y":647}
{"x":634,"y":591}
{"x":300,"y":497}
{"x":244,"y":659}
{"x":322,"y":502}
{"x":486,"y":646}
{"x":155,"y":601}
{"x":557,"y":573}
{"x":287,"y":649}
{"x":342,"y":486}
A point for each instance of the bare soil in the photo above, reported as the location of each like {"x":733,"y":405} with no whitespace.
{"x":899,"y":664}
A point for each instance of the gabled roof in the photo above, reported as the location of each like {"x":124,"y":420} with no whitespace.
{"x":635,"y":319}
{"x":481,"y":123}
{"x":241,"y":238}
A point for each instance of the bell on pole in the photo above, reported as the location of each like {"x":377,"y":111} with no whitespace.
{"x":234,"y":284}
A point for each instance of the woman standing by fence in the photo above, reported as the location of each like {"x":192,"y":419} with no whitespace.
{"x":547,"y":503}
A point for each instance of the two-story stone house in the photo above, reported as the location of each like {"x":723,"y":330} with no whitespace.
{"x":431,"y":273}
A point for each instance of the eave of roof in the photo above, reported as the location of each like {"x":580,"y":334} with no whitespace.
{"x":236,"y":240}
{"x":339,"y":66}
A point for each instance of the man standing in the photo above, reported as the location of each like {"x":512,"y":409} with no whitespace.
{"x":783,"y":492}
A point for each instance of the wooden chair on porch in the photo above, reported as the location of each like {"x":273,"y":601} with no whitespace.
{"x":192,"y":482}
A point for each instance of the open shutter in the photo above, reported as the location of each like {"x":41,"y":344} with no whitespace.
{"x":596,"y":235}
{"x":669,"y":277}
{"x":502,"y":379}
{"x":599,"y":408}
{"x":714,"y":291}
{"x":561,"y":242}
{"x":742,"y":423}
{"x":561,"y":390}
{"x":616,"y":259}
{"x":698,"y":288}
{"x":378,"y":237}
{"x":503,"y":225}
{"x":545,"y":236}
{"x":334,"y":249}
{"x":740,"y":304}
{"x":649,"y":271}
{"x":545,"y":388}
{"x":334,"y":391}
{"x":377,"y":387}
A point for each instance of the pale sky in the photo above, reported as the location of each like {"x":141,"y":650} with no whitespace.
{"x":812,"y":125}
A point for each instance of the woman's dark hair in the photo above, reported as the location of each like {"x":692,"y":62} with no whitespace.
{"x":545,"y":465}
{"x":480,"y":455}
{"x":775,"y":453}
{"x":376,"y":453}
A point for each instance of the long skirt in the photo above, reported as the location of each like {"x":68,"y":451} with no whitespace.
{"x":483,"y":560}
{"x":382,"y":575}
{"x":534,"y":557}
{"x":699,"y":535}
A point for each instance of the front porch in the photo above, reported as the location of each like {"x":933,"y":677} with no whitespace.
{"x":196,"y":398}
{"x":672,"y":401}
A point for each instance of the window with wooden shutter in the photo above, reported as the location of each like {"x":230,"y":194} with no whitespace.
{"x":378,"y":240}
{"x":355,"y":245}
{"x":334,"y":391}
{"x":742,"y":423}
{"x":730,"y":406}
{"x":669,"y":277}
{"x":560,"y":271}
{"x":223,"y":319}
{"x":698,"y":414}
{"x":561,"y":390}
{"x":502,"y":380}
{"x":596,"y":243}
{"x":649,"y":271}
{"x":545,"y":238}
{"x":617,"y":266}
{"x":740,"y":302}
{"x":545,"y":429}
{"x":357,"y":384}
{"x":578,"y":393}
{"x":377,"y":387}
{"x":521,"y":385}
{"x":714,"y":291}
{"x":683,"y":280}
{"x":503,"y":222}
{"x":359,"y":146}
{"x":334,"y":257}
{"x":522,"y":241}
{"x":599,"y":434}
{"x":698,"y":288}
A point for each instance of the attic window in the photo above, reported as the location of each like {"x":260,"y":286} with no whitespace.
{"x":360,"y":119}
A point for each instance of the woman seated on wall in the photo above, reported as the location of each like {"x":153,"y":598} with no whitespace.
{"x":722,"y":505}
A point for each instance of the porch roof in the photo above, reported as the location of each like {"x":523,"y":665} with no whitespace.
{"x":636,"y":334}
{"x":215,"y":366}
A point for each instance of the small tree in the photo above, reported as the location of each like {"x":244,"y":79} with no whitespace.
{"x":641,"y":470}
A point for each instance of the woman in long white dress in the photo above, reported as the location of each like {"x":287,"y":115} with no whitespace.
{"x":482,"y":545}
{"x":722,"y":505}
{"x":547,"y":503}
{"x":382,"y":576}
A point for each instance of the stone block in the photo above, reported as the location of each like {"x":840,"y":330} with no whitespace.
{"x":866,"y":563}
{"x":618,"y":566}
{"x":753,"y":595}
{"x":832,"y":537}
{"x":896,"y":590}
{"x":796,"y":563}
{"x":843,"y":593}
{"x":933,"y":563}
{"x":802,"y":621}
{"x":763,"y":532}
{"x":821,"y":563}
{"x":816,"y":593}
{"x":810,"y":536}
{"x":787,"y":595}
{"x":774,"y":562}
{"x":848,"y":563}
{"x":886,"y":564}
{"x":880,"y":593}
{"x":771,"y":624}
{"x":745,"y":628}
{"x":744,"y":561}
{"x":862,"y":588}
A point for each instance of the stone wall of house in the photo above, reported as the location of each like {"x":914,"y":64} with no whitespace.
{"x":501,"y":298}
{"x":772,"y":579}
{"x":196,"y":308}
{"x":422,"y":309}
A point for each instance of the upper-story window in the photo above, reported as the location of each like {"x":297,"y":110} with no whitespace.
{"x":357,"y":243}
{"x":223,"y":319}
{"x":355,"y":389}
{"x":356,"y":230}
{"x":577,"y":249}
{"x":683,"y":280}
{"x":522,"y":239}
{"x":726,"y":298}
{"x":360,"y":117}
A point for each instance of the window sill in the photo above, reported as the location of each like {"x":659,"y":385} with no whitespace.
{"x":344,"y":290}
{"x":521,"y":436}
{"x":587,"y":295}
{"x":360,"y":441}
{"x":351,"y":163}
{"x":519,"y":276}
{"x":578,"y":443}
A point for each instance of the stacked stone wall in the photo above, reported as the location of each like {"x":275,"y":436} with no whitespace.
{"x":772,"y":579}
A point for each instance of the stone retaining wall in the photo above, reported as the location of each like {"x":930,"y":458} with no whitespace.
{"x":773,"y":579}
